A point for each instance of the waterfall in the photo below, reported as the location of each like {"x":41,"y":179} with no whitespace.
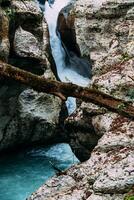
{"x":76,"y":70}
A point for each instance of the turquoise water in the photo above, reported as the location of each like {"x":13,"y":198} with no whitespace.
{"x":24,"y":172}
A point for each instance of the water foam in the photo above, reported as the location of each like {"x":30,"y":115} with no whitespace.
{"x":67,"y":72}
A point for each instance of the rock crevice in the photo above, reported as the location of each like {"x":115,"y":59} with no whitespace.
{"x":104,"y":31}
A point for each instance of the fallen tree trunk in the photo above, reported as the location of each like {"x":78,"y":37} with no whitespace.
{"x":63,"y":90}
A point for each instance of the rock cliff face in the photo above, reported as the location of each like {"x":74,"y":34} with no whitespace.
{"x":26,"y":117}
{"x":104,"y":32}
{"x":100,"y":30}
{"x":4,"y":40}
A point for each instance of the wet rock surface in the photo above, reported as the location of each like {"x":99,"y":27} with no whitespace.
{"x":81,"y":134}
{"x":104,"y":32}
{"x":108,"y":174}
{"x":26,"y":44}
{"x":26,"y":117}
{"x":39,"y":113}
{"x":4,"y":40}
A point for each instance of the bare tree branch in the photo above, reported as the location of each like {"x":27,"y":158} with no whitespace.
{"x":63,"y":90}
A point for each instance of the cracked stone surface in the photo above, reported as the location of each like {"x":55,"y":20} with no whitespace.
{"x":104,"y":32}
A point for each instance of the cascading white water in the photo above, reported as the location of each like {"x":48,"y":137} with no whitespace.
{"x":67,"y":72}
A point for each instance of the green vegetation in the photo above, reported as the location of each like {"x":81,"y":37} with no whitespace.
{"x":121,"y":106}
{"x":129,"y":197}
{"x":10,"y":13}
{"x":125,"y":57}
{"x":130,"y":93}
{"x":130,"y":194}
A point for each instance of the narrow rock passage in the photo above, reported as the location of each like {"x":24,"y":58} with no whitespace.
{"x":69,"y":67}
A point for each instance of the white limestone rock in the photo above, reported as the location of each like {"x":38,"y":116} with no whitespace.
{"x":25,"y":44}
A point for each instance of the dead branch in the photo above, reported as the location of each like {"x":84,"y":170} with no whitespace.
{"x":64,"y":90}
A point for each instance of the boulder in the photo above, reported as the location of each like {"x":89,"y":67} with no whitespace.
{"x":104,"y":32}
{"x":4,"y":40}
{"x":40,"y":114}
{"x":30,"y":31}
{"x":26,"y":45}
{"x":27,"y":117}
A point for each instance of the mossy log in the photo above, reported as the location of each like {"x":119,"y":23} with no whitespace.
{"x":64,"y":90}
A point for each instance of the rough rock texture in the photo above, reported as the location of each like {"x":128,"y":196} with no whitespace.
{"x":26,"y":116}
{"x":4,"y":40}
{"x":81,"y":134}
{"x":41,"y":113}
{"x":104,"y":32}
{"x":26,"y":44}
{"x":31,"y":35}
{"x":108,"y":174}
{"x":29,"y":50}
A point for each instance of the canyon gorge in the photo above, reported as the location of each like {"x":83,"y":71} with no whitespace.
{"x":100,"y":33}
